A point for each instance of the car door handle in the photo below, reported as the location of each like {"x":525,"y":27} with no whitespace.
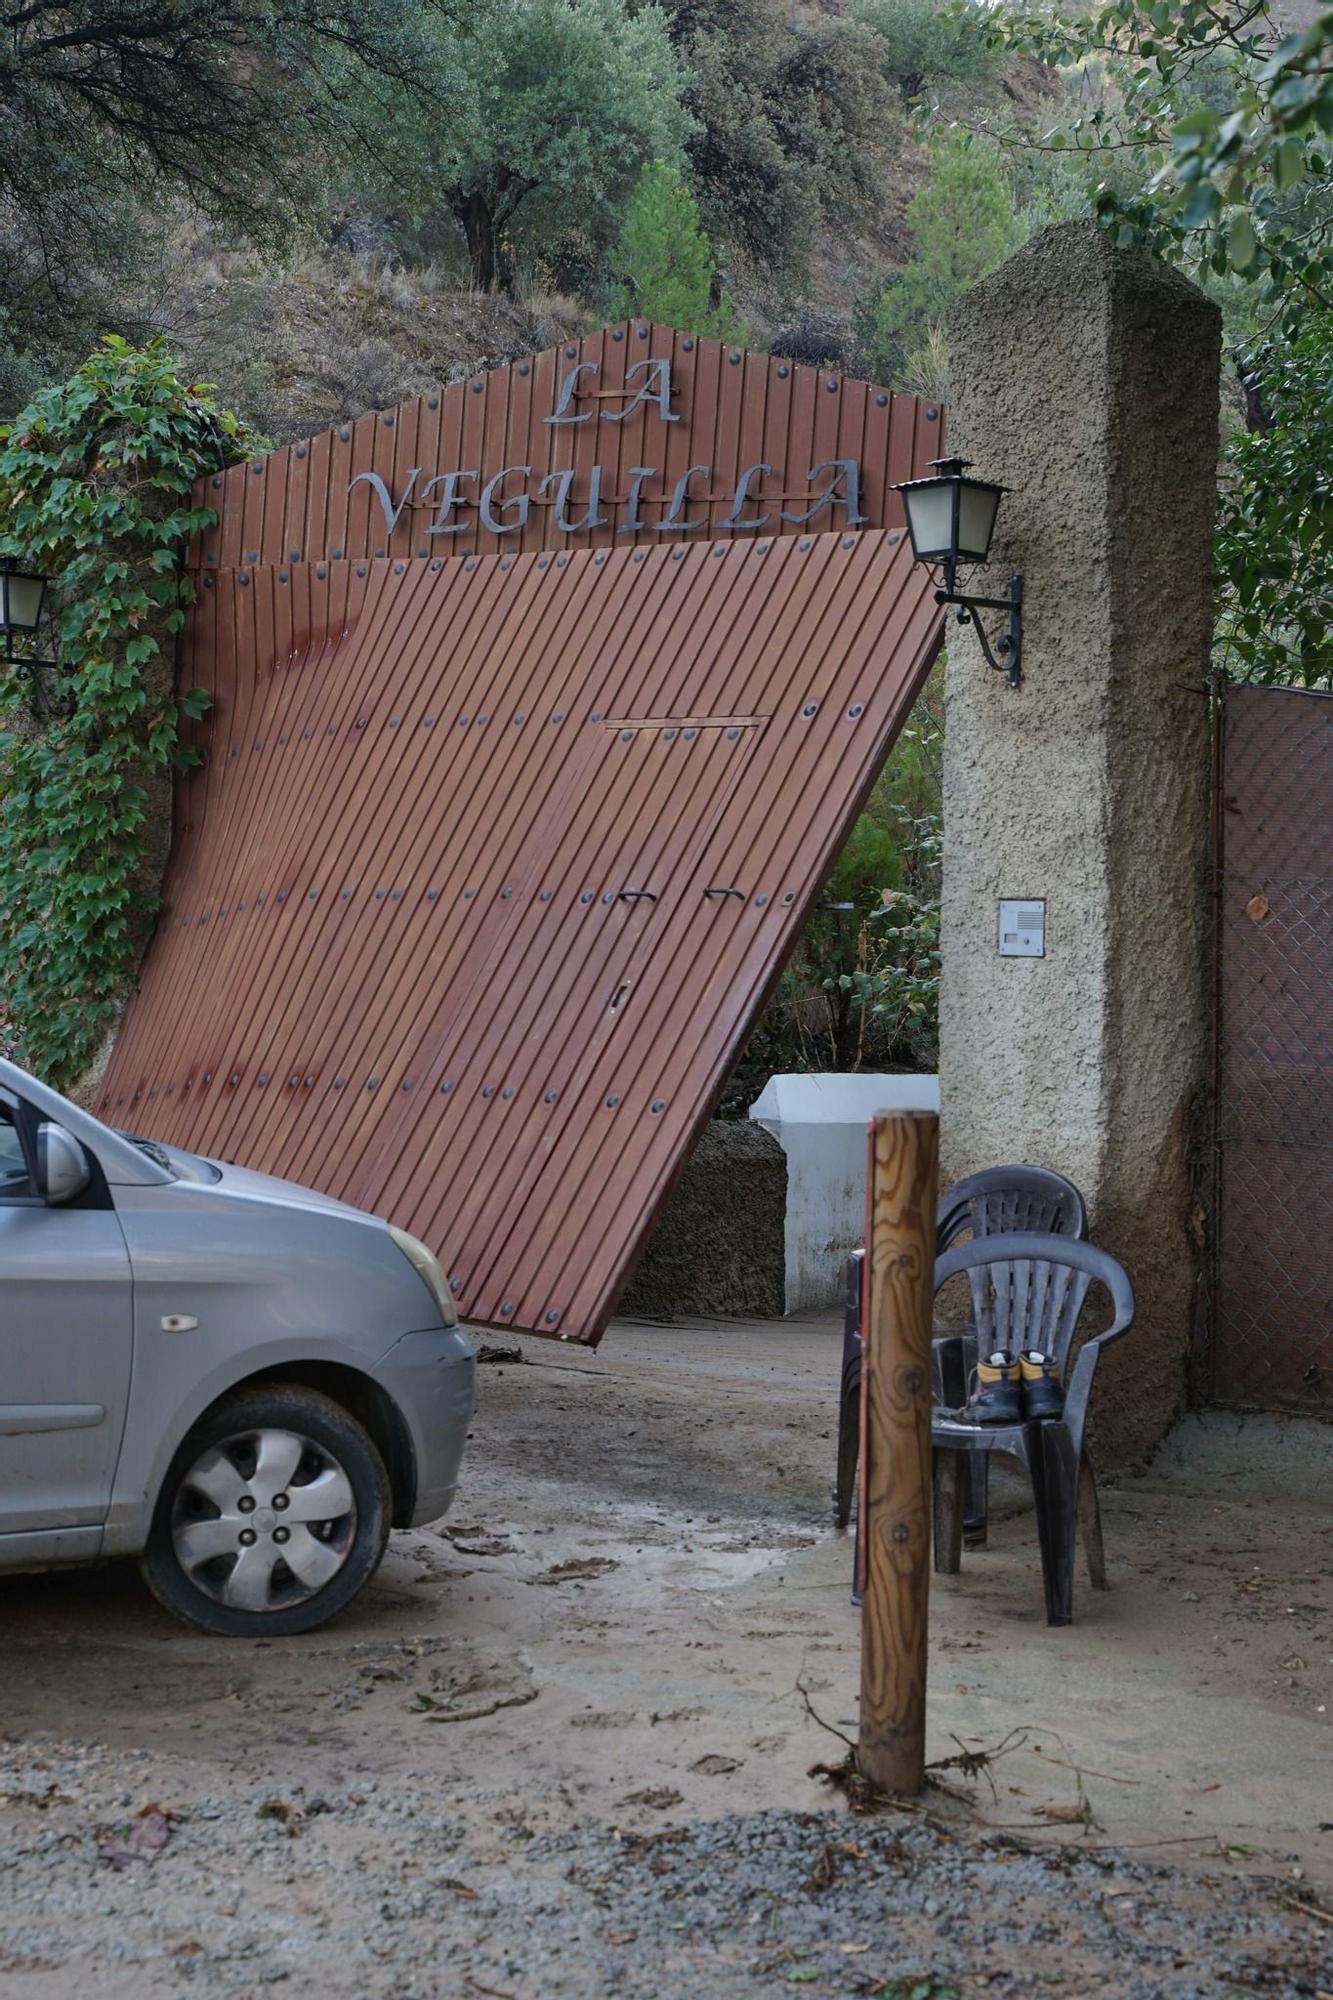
{"x":22,"y":1419}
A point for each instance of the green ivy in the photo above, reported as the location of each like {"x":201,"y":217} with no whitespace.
{"x":95,"y":480}
{"x":1275,"y":522}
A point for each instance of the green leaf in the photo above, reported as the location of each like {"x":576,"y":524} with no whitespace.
{"x":1203,"y":206}
{"x":1242,"y":243}
{"x":1288,"y":164}
{"x":1188,"y":132}
{"x":1287,"y":50}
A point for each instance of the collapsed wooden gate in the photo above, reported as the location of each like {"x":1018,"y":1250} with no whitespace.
{"x":1271,"y":1320}
{"x":492,"y":859}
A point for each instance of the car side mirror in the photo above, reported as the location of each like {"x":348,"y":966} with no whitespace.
{"x":62,"y":1165}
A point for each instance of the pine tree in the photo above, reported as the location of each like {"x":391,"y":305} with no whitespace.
{"x":964,"y":223}
{"x":664,"y":261}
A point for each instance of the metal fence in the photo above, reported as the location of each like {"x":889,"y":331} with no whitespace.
{"x":1271,"y":1321}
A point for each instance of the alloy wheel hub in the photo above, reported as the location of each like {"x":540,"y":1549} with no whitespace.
{"x":264,"y":1520}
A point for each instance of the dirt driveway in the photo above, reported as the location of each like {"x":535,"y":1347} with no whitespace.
{"x":561,"y":1745}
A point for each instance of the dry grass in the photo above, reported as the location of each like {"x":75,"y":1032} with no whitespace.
{"x":299,"y":343}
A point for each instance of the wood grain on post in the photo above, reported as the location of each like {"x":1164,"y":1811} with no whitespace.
{"x":900,"y":1285}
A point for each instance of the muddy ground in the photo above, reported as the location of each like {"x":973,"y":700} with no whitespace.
{"x":563,"y":1744}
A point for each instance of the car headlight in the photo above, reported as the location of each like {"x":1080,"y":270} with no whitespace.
{"x":427,"y":1267}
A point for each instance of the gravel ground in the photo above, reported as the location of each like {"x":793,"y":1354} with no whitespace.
{"x":614,"y":1628}
{"x":412,"y":1907}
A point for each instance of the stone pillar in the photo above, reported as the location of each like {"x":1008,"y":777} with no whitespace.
{"x":1086,"y":378}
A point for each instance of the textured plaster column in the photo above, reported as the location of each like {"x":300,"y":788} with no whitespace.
{"x":1086,"y":378}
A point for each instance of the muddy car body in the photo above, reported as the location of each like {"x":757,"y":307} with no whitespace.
{"x":195,"y":1360}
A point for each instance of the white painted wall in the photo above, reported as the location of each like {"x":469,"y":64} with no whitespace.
{"x":820,"y":1123}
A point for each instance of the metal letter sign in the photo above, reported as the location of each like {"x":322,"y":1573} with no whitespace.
{"x":448,"y":483}
{"x":656,"y":388}
{"x":520,"y":502}
{"x":562,"y":413}
{"x":674,"y":518}
{"x":588,"y":445}
{"x":844,"y":487}
{"x":627,"y":413}
{"x":392,"y":510}
{"x":742,"y":494}
{"x":562,"y":481}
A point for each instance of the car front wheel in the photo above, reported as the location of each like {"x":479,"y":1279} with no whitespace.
{"x":273,"y":1515}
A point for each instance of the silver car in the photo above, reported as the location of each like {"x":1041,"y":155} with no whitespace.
{"x":240,"y":1382}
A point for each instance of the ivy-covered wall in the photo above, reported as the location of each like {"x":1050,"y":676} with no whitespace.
{"x":95,"y":480}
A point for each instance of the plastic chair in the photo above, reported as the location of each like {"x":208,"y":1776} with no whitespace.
{"x":1028,"y":1291}
{"x":990,"y":1203}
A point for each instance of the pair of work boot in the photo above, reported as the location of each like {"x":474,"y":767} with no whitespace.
{"x":1013,"y":1389}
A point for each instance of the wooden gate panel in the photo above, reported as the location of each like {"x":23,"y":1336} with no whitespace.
{"x":436,"y":936}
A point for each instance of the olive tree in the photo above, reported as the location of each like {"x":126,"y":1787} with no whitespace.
{"x":557,"y":105}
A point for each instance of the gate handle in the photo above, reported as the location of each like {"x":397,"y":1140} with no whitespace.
{"x":637,"y":895}
{"x":726,"y":892}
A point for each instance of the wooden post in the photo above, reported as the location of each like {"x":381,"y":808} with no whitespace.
{"x":900,"y":1287}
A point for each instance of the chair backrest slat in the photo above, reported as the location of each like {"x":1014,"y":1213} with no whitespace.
{"x":1045,"y":1295}
{"x":1065,"y":1326}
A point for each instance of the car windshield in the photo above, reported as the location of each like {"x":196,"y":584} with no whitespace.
{"x":185,"y":1166}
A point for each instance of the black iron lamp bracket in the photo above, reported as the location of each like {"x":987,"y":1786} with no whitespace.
{"x":1009,"y":644}
{"x":61,"y":706}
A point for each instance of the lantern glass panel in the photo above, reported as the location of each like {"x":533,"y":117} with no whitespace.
{"x":930,"y":518}
{"x":977,"y":508}
{"x":20,"y":601}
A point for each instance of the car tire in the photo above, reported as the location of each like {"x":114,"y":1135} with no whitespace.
{"x":274,"y":1513}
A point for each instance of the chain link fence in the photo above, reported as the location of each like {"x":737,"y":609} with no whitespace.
{"x":1270,"y":1334}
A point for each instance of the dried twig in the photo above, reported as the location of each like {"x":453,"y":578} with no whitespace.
{"x":1083,"y":1770}
{"x":976,"y":1763}
{"x":815,"y":1716}
{"x":1307,"y":1909}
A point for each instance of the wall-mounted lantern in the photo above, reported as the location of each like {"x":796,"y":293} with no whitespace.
{"x":951,"y":520}
{"x":22,"y":592}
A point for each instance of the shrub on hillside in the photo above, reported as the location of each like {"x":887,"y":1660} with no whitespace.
{"x":663,"y":263}
{"x":794,"y":122}
{"x":924,"y":45}
{"x":819,"y":339}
